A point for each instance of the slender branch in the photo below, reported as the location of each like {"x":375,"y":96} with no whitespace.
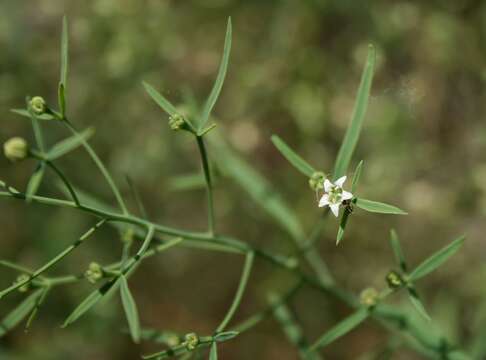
{"x":239,"y":293}
{"x":209,"y":185}
{"x":101,"y":167}
{"x":52,"y":262}
{"x":65,"y":181}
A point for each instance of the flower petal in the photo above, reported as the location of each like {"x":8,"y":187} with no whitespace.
{"x":340,"y":182}
{"x":324,"y":200}
{"x":327,"y":185}
{"x":346,"y":195}
{"x":335,"y":209}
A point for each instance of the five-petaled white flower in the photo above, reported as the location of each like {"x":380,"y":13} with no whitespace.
{"x":334,"y":195}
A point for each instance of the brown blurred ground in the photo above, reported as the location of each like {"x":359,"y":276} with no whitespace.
{"x":294,"y":70}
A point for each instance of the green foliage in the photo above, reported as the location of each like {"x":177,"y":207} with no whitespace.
{"x":378,"y":207}
{"x":300,"y":164}
{"x":353,"y":132}
{"x":153,"y":238}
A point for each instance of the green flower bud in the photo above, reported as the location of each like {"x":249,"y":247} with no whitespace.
{"x":394,"y":280}
{"x":177,"y":122}
{"x":191,"y":341}
{"x":38,"y":105}
{"x":316,"y":182}
{"x":16,"y":149}
{"x":22,"y":278}
{"x":369,"y":297}
{"x":94,"y":272}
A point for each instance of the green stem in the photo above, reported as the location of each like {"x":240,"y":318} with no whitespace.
{"x":209,"y":185}
{"x":65,"y":181}
{"x":239,"y":293}
{"x":52,"y":262}
{"x":100,"y":166}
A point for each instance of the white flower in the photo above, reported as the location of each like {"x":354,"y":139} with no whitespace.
{"x":334,"y":195}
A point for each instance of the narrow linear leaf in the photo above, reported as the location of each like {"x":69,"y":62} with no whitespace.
{"x":378,"y":207}
{"x":160,"y":99}
{"x":225,"y":336}
{"x":187,"y":182}
{"x":213,"y":354}
{"x":64,"y":52}
{"x":415,"y":299}
{"x":218,"y":84}
{"x":341,"y":329}
{"x":342,"y":225}
{"x":354,"y":129}
{"x":260,"y":190}
{"x":397,"y":250}
{"x":71,"y":143}
{"x":19,"y":313}
{"x":91,"y":300}
{"x":356,"y":176}
{"x":436,"y":260}
{"x":130,"y":309}
{"x":64,"y":67}
{"x":300,"y":164}
{"x":35,"y":310}
{"x":35,"y":181}
{"x":25,"y":113}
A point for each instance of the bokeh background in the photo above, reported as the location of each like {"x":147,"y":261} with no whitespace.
{"x":294,"y":70}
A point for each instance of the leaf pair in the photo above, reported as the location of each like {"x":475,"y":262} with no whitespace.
{"x":426,"y":267}
{"x":213,"y":96}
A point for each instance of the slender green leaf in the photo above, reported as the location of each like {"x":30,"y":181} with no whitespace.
{"x":35,"y":181}
{"x":64,"y":67}
{"x":340,"y":329}
{"x":69,"y":144}
{"x":225,"y":336}
{"x":187,"y":182}
{"x":38,"y":304}
{"x":436,"y":260}
{"x":397,"y":250}
{"x":64,"y":52}
{"x":25,"y":113}
{"x":352,"y":133}
{"x":160,"y":99}
{"x":19,"y":313}
{"x":257,"y":187}
{"x":218,"y":84}
{"x":415,"y":299}
{"x":342,"y":225}
{"x":300,"y":164}
{"x":378,"y":207}
{"x":91,"y":300}
{"x":213,"y":354}
{"x":130,"y":309}
{"x":356,"y":176}
{"x":61,"y":95}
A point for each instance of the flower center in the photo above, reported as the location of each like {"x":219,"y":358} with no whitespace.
{"x":335,"y":194}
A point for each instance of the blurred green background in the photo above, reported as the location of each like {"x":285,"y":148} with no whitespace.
{"x":294,"y":70}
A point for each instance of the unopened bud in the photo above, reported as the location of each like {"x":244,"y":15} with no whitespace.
{"x":177,"y":122}
{"x":191,"y":341}
{"x":369,"y":297}
{"x":394,"y":279}
{"x":38,"y":105}
{"x":316,"y":181}
{"x":16,"y":149}
{"x":94,"y":272}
